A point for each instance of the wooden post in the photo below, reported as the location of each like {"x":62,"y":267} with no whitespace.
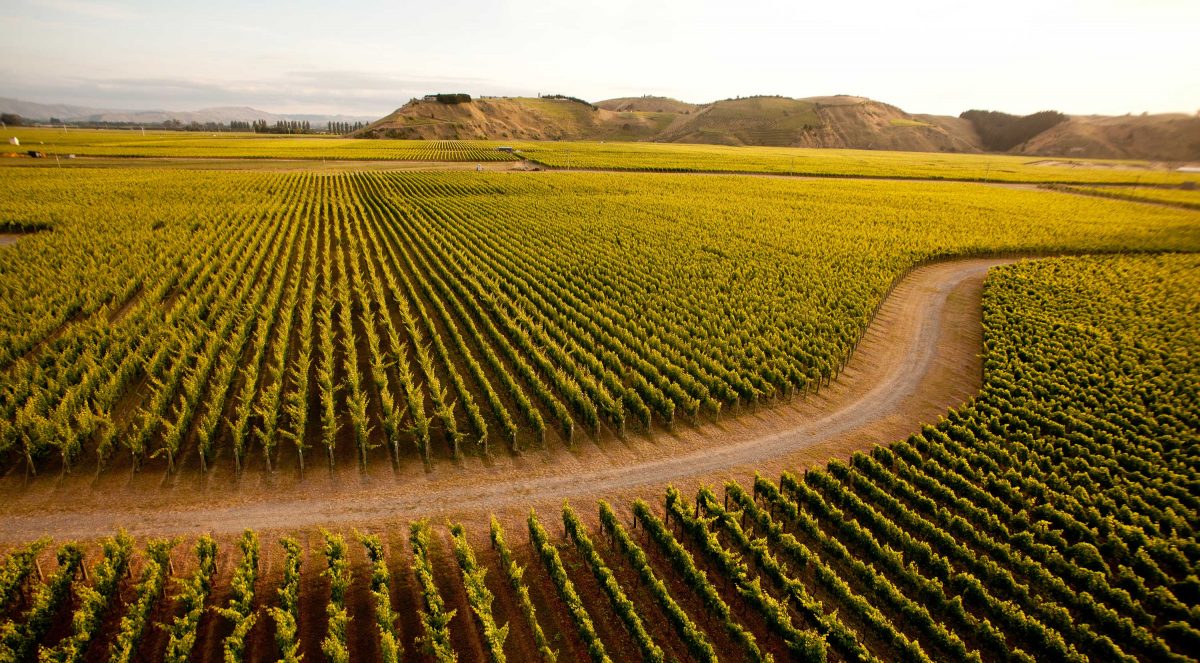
{"x":37,"y":564}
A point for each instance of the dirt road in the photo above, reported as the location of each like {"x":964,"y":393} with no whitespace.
{"x":919,"y":358}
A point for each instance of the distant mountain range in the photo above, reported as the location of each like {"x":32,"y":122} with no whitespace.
{"x":835,"y":122}
{"x":224,"y":115}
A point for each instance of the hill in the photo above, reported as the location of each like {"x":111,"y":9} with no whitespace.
{"x":648,"y":103}
{"x":858,"y":122}
{"x":842,"y":121}
{"x":525,"y":118}
{"x":1165,"y":137}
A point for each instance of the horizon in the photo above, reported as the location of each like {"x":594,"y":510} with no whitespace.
{"x":360,"y":116}
{"x":1080,"y":58}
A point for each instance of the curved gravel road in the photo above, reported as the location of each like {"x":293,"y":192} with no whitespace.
{"x":918,"y":358}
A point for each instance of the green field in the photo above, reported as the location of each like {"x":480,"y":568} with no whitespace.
{"x":661,"y":157}
{"x":1053,"y":517}
{"x":1187,"y":198}
{"x":620,"y":156}
{"x":202,"y":145}
{"x":193,"y":335}
{"x":156,"y":317}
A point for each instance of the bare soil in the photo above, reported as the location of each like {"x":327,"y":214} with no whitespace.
{"x":918,"y":358}
{"x":8,"y":238}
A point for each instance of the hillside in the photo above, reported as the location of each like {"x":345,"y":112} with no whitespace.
{"x":527,"y":118}
{"x":777,"y":121}
{"x":1165,"y":137}
{"x":839,"y":121}
{"x":856,"y":122}
{"x":846,"y":122}
{"x":648,"y":103}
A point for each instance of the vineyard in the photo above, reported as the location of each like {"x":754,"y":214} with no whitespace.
{"x":668,"y":157}
{"x":618,"y":156}
{"x":1053,"y":517}
{"x":175,"y":144}
{"x":1185,"y":198}
{"x":160,"y":318}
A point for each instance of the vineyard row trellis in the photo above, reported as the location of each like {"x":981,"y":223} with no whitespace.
{"x":431,"y":315}
{"x":1054,"y":516}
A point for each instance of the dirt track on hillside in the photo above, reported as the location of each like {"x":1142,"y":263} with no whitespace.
{"x":918,"y":358}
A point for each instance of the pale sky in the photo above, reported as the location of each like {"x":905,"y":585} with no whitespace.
{"x":367,"y":57}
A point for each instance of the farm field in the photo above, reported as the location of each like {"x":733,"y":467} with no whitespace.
{"x":154,"y":323}
{"x":133,"y":143}
{"x":1052,"y":517}
{"x":665,"y":157}
{"x":618,"y":156}
{"x":1186,"y":198}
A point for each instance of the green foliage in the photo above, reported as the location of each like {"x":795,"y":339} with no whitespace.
{"x":434,"y":616}
{"x":624,"y":608}
{"x":478,"y":594}
{"x":437,"y":321}
{"x":148,"y":593}
{"x":390,"y":648}
{"x":685,"y":566}
{"x":19,"y":640}
{"x":1002,"y":131}
{"x":240,"y":609}
{"x":287,"y":614}
{"x":335,"y":645}
{"x":804,"y":645}
{"x":193,"y":593}
{"x":566,"y":590}
{"x":17,"y":569}
{"x":515,"y":573}
{"x":697,"y":642}
{"x":569,"y":98}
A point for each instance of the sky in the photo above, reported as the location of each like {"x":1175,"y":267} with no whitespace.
{"x":367,"y":58}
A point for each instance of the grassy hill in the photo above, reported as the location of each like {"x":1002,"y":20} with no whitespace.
{"x":527,"y":118}
{"x":842,"y":121}
{"x":648,"y":103}
{"x":774,"y":121}
{"x":839,"y":121}
{"x":1166,"y":137}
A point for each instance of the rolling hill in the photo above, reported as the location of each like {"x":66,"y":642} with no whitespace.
{"x":1165,"y":137}
{"x":527,"y":118}
{"x":848,"y":122}
{"x":839,"y":121}
{"x":648,"y":103}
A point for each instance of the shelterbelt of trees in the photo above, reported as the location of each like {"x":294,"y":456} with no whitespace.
{"x":1053,"y":517}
